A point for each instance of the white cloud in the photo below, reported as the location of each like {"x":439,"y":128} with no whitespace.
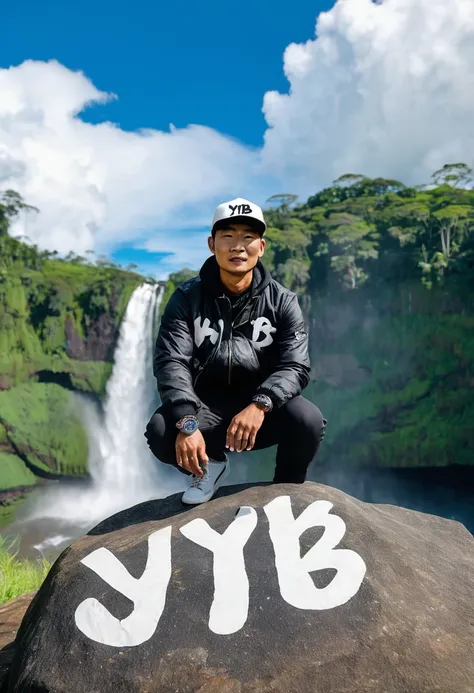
{"x":98,"y":186}
{"x":384,"y":89}
{"x":190,"y":246}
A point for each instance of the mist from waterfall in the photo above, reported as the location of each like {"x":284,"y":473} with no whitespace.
{"x":123,"y":470}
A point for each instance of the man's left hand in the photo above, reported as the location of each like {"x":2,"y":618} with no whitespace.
{"x":244,"y":427}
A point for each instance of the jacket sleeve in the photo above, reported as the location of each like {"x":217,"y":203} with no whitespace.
{"x":172,"y":364}
{"x":292,"y":372}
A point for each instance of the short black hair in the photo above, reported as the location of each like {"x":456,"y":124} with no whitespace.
{"x":252,"y":223}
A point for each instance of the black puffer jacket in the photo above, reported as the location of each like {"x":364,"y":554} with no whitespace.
{"x":218,"y":349}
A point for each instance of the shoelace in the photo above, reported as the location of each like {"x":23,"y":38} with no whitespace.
{"x":197,"y":481}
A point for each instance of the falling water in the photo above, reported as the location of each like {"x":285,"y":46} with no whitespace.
{"x":124,"y":465}
{"x":123,"y":470}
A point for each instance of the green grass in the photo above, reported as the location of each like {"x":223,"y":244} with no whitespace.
{"x":42,"y":423}
{"x":19,"y":576}
{"x":8,"y":509}
{"x":41,"y":309}
{"x":14,"y":473}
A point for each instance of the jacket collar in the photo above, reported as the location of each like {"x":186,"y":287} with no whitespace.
{"x":210,"y":278}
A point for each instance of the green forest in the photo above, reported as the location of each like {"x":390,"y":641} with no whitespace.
{"x":384,"y":272}
{"x":59,"y":321}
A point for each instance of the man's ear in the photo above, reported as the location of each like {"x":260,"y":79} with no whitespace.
{"x":210,"y":243}
{"x":263,"y":243}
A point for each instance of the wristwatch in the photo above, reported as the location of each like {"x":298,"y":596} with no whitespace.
{"x":188,"y":425}
{"x":263,"y":402}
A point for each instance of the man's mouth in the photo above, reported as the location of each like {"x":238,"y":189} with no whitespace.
{"x":238,"y":260}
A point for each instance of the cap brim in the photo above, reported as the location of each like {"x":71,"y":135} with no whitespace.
{"x":243,"y":219}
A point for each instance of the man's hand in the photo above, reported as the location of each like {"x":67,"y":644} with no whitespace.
{"x":190,"y":451}
{"x":244,"y":427}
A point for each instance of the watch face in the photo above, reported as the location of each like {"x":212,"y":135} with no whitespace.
{"x":189,"y":426}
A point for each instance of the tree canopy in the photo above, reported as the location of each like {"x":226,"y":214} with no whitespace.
{"x":360,"y":229}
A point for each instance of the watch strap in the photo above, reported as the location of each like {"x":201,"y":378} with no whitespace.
{"x":264,"y":402}
{"x":189,"y":417}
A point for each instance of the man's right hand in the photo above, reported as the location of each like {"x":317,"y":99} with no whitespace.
{"x":190,"y":451}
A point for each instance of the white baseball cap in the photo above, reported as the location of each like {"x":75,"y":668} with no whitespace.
{"x":239,"y":211}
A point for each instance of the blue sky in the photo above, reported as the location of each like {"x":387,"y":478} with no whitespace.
{"x":184,"y":62}
{"x":207,"y":62}
{"x":215,"y":100}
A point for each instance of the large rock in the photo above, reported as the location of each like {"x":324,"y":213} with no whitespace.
{"x":238,"y":596}
{"x":11,"y":615}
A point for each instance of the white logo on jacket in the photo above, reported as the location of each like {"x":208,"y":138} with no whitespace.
{"x":203,"y":329}
{"x":262,"y":325}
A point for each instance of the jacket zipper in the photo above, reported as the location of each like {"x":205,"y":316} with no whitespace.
{"x":230,"y":352}
{"x":229,"y":348}
{"x":232,"y":325}
{"x":230,"y":341}
{"x":253,"y":299}
{"x":198,"y":376}
{"x":206,"y":363}
{"x":231,"y":333}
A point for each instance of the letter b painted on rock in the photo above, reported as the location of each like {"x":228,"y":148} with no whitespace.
{"x":296,"y":585}
{"x":229,"y":608}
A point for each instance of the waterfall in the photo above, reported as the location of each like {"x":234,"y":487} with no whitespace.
{"x":125,"y":464}
{"x":123,"y":470}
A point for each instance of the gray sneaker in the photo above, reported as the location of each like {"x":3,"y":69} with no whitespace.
{"x":202,"y":489}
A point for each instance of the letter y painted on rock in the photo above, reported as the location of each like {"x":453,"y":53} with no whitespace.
{"x":229,"y":609}
{"x":148,"y":595}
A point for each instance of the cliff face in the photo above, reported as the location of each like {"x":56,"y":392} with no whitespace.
{"x":59,"y":323}
{"x":385,"y":276}
{"x":394,"y":377}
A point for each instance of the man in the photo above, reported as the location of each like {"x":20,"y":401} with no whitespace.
{"x":231,"y":360}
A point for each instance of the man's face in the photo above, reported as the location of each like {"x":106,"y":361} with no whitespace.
{"x":237,"y":248}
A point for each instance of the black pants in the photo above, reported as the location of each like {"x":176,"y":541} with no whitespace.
{"x":297,"y":428}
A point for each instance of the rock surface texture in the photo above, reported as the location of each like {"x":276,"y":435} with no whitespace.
{"x":11,"y":615}
{"x":269,"y":589}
